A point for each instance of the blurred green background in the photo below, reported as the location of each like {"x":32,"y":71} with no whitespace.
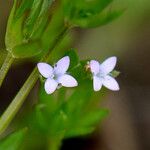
{"x":128,"y":37}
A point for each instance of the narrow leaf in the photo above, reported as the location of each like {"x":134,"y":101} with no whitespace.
{"x":92,"y":118}
{"x":115,"y":73}
{"x":74,"y":59}
{"x":34,"y":12}
{"x":13,"y":29}
{"x":88,"y":8}
{"x":27,"y":50}
{"x":13,"y":141}
{"x":24,"y":6}
{"x":98,"y":20}
{"x":74,"y":132}
{"x":42,"y":19}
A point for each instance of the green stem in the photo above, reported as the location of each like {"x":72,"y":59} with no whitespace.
{"x":54,"y":144}
{"x":5,"y":67}
{"x":17,"y":102}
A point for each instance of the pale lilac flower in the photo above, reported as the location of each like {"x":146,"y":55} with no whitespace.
{"x":57,"y":75}
{"x":102,"y":74}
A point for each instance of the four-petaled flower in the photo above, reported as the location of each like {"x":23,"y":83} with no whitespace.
{"x":56,"y":75}
{"x":102,"y":74}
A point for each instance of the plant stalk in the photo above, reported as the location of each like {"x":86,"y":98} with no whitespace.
{"x":5,"y":67}
{"x":54,"y":144}
{"x":17,"y":102}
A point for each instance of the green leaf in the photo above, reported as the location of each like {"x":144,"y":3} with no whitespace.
{"x":55,"y":128}
{"x":50,"y":100}
{"x":30,"y":21}
{"x":79,"y":99}
{"x":61,"y":48}
{"x":40,"y":117}
{"x":81,"y":12}
{"x":95,"y":5}
{"x":13,"y":141}
{"x":74,"y":132}
{"x":84,"y":8}
{"x":89,"y":8}
{"x":42,"y":19}
{"x":54,"y":28}
{"x":71,"y":112}
{"x":93,"y":117}
{"x":81,"y":116}
{"x":74,"y":59}
{"x":24,"y":6}
{"x":27,"y":50}
{"x":89,"y":14}
{"x":115,"y":73}
{"x":13,"y":28}
{"x":46,"y":4}
{"x":27,"y":21}
{"x":68,"y":11}
{"x":80,"y":72}
{"x":98,"y":20}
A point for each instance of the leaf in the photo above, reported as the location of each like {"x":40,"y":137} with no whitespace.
{"x":89,"y":14}
{"x":98,"y":20}
{"x":53,"y":30}
{"x":60,"y":50}
{"x":93,"y":117}
{"x":42,"y":19}
{"x":84,"y":8}
{"x":24,"y":6}
{"x":49,"y":100}
{"x":81,"y":117}
{"x":85,"y":123}
{"x":69,"y":113}
{"x":13,"y":141}
{"x":41,"y":120}
{"x":27,"y":50}
{"x":68,"y":11}
{"x":46,"y":4}
{"x":115,"y":73}
{"x":30,"y":21}
{"x":74,"y":132}
{"x":74,"y":59}
{"x":58,"y":123}
{"x":13,"y":29}
{"x":80,"y":72}
{"x":89,"y":8}
{"x":79,"y":99}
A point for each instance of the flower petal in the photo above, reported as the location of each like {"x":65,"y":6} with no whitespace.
{"x":97,"y":83}
{"x":95,"y":66}
{"x":45,"y":69}
{"x":62,"y":65}
{"x":67,"y":81}
{"x":108,"y":65}
{"x":50,"y":86}
{"x":110,"y":83}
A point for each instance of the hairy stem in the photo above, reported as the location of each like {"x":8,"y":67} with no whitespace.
{"x":17,"y":102}
{"x":5,"y":67}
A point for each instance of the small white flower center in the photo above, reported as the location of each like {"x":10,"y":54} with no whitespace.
{"x":52,"y":76}
{"x":101,"y":75}
{"x":55,"y":76}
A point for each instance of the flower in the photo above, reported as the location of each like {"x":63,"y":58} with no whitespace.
{"x":56,"y":75}
{"x":102,"y":74}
